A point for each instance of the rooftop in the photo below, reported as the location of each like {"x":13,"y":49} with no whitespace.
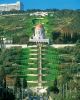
{"x":39,"y":26}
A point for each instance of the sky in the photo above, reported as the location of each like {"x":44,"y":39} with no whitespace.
{"x":47,"y":4}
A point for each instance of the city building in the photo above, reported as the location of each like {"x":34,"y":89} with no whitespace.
{"x":13,"y":6}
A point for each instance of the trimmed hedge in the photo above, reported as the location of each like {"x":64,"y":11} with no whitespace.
{"x":51,"y":62}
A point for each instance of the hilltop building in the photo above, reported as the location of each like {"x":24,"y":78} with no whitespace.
{"x":39,"y":14}
{"x":13,"y":6}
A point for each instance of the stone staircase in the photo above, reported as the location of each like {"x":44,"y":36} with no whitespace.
{"x":35,"y":59}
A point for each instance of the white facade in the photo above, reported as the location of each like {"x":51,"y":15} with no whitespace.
{"x":39,"y":14}
{"x":39,"y":35}
{"x":14,"y":6}
{"x":39,"y":32}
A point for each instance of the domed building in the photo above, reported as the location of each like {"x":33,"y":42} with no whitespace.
{"x":39,"y":32}
{"x":39,"y":35}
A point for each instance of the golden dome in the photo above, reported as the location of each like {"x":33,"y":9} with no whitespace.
{"x":39,"y":26}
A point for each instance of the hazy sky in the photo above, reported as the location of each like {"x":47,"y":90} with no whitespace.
{"x":46,"y":4}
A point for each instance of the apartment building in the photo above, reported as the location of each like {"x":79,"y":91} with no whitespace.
{"x":12,"y":6}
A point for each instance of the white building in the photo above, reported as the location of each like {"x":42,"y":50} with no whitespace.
{"x":13,"y":6}
{"x":39,"y":14}
{"x":39,"y":35}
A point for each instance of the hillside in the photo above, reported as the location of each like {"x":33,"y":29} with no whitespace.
{"x":59,"y":68}
{"x":62,"y":26}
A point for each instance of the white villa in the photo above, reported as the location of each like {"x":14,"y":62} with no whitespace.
{"x":39,"y":14}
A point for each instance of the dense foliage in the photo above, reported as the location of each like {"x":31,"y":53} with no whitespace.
{"x":51,"y":62}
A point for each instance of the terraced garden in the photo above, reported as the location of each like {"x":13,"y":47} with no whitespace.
{"x":62,"y":64}
{"x":25,"y":67}
{"x":51,"y":62}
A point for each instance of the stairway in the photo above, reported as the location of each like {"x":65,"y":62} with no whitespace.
{"x":35,"y":63}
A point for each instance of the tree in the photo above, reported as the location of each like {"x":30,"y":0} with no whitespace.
{"x":55,"y":88}
{"x":24,"y":83}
